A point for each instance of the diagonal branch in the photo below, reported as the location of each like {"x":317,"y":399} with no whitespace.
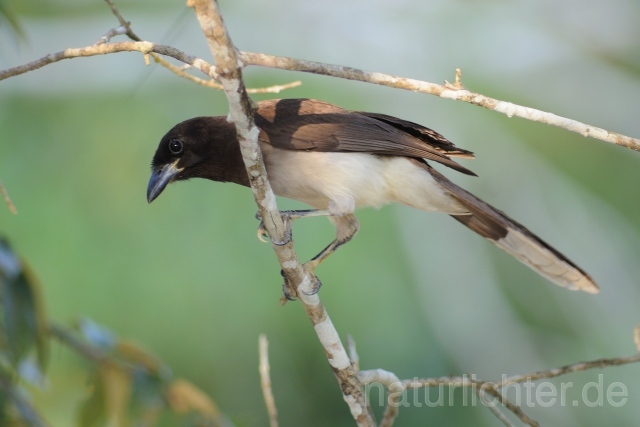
{"x":393,"y":387}
{"x":265,"y":381}
{"x":575,"y":367}
{"x":515,"y":409}
{"x":443,"y":91}
{"x":103,"y":49}
{"x":125,"y":28}
{"x":497,"y":412}
{"x":229,"y":66}
{"x":7,"y":199}
{"x":484,"y":388}
{"x":146,"y":48}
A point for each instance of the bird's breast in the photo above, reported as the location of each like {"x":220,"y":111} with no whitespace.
{"x":338,"y":181}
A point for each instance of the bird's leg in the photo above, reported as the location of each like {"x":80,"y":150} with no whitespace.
{"x":287,"y":218}
{"x":346,"y":225}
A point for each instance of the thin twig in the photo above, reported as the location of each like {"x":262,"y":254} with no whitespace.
{"x":575,"y":367}
{"x":493,"y":388}
{"x":457,"y":84}
{"x":515,"y":409}
{"x":393,"y":387}
{"x":353,"y":353}
{"x":459,"y":381}
{"x":265,"y":380}
{"x":68,"y":338}
{"x":103,"y":49}
{"x":90,"y":352}
{"x":179,"y":72}
{"x":443,"y":91}
{"x":145,"y":48}
{"x":111,"y":34}
{"x":7,"y":200}
{"x":123,"y":22}
{"x":482,"y":394}
{"x":212,"y":83}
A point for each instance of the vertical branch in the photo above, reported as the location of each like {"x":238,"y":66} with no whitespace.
{"x":228,"y":67}
{"x":265,"y":381}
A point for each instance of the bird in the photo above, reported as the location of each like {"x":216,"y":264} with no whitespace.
{"x":336,"y":160}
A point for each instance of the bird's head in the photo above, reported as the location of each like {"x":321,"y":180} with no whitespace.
{"x":202,"y":147}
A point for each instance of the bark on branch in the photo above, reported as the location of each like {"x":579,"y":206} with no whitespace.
{"x":449,"y":91}
{"x":229,"y":68}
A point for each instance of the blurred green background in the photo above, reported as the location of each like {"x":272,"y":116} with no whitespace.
{"x":421,"y":295}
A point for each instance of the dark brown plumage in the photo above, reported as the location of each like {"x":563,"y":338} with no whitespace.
{"x":336,"y":161}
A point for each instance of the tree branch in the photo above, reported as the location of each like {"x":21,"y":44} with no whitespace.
{"x":146,"y":48}
{"x":575,"y":367}
{"x":449,"y":91}
{"x":229,"y":68}
{"x":443,"y":91}
{"x":515,"y":409}
{"x":393,"y":387}
{"x":493,"y":388}
{"x":497,"y":412}
{"x":89,"y":352}
{"x":265,"y":381}
{"x":103,"y":49}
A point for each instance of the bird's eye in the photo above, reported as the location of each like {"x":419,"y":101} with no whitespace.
{"x":175,"y":146}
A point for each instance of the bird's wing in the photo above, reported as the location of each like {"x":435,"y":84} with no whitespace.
{"x":428,"y":136}
{"x":304,"y":124}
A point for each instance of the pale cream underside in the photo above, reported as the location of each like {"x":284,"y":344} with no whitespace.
{"x":342,"y":182}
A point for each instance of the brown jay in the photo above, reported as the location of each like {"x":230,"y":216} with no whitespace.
{"x":336,"y":160}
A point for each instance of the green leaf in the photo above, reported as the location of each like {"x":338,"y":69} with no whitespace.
{"x":117,"y":387}
{"x":92,"y":412}
{"x":147,"y":400}
{"x":24,"y":320}
{"x":4,"y":407}
{"x":107,"y":404}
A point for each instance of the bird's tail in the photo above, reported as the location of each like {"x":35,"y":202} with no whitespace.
{"x":515,"y":239}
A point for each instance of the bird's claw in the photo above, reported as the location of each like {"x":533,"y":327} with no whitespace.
{"x":316,"y":284}
{"x":290,"y":292}
{"x":262,"y":231}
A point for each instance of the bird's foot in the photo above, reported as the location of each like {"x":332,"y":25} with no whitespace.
{"x":316,"y":284}
{"x":289,"y":290}
{"x":287,"y":217}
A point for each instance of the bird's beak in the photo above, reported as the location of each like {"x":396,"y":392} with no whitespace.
{"x":160,"y":177}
